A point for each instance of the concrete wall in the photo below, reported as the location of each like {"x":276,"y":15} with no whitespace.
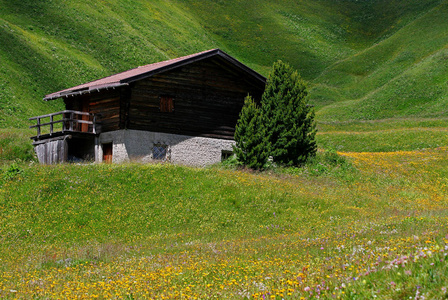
{"x":136,"y":145}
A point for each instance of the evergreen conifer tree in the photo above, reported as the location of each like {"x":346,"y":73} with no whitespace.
{"x":287,"y":118}
{"x":250,"y":145}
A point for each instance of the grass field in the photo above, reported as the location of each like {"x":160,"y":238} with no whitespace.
{"x":368,"y":221}
{"x":352,"y":226}
{"x":383,"y":135}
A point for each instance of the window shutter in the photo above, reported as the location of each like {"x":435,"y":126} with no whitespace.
{"x":166,"y":104}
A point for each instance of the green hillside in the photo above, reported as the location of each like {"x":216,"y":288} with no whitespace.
{"x":48,"y":46}
{"x":401,"y":76}
{"x":363,"y":59}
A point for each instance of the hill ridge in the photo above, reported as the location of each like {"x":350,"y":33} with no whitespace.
{"x":376,"y":44}
{"x":55,"y":46}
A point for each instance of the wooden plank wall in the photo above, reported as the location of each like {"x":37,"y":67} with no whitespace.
{"x":208,"y":96}
{"x":207,"y":100}
{"x":106,"y":103}
{"x":52,"y":152}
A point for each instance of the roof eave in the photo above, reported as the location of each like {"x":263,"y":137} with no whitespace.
{"x":91,"y":89}
{"x":125,"y":81}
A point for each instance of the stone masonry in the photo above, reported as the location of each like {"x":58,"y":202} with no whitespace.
{"x":136,"y":145}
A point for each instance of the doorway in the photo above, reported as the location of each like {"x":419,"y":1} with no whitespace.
{"x":107,"y":153}
{"x":84,"y":127}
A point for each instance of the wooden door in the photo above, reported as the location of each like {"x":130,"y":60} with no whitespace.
{"x":85,"y":108}
{"x":107,"y":153}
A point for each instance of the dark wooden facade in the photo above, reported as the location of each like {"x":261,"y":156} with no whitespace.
{"x":207,"y":96}
{"x":104,"y":104}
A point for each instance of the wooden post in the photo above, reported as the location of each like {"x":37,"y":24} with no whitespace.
{"x":51,"y":124}
{"x":63,"y":122}
{"x":94,"y":124}
{"x":71,"y":121}
{"x":38,"y":127}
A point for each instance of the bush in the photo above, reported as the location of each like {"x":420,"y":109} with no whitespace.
{"x":231,"y":162}
{"x":324,"y":163}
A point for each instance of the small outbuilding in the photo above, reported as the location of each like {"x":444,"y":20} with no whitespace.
{"x":182,"y":110}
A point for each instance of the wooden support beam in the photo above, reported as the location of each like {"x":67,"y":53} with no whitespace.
{"x":38,"y":127}
{"x":51,"y":124}
{"x":63,"y":137}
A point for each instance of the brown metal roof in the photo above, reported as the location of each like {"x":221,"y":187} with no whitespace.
{"x":124,"y":78}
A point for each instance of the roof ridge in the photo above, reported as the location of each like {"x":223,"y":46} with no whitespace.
{"x":137,"y":73}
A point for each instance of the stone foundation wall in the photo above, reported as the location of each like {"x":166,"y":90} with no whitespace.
{"x":136,"y":145}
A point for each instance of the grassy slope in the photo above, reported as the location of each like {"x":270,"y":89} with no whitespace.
{"x":48,"y":46}
{"x":383,"y":135}
{"x":311,"y":35}
{"x":402,"y":76}
{"x":73,"y":231}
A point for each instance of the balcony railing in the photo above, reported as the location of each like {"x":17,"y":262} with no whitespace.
{"x":65,"y":121}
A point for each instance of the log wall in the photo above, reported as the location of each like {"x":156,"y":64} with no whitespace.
{"x":207,"y":100}
{"x":105,"y":104}
{"x":207,"y":96}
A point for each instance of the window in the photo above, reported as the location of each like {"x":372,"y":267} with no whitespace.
{"x":166,"y":104}
{"x":159,"y":152}
{"x":225,"y":154}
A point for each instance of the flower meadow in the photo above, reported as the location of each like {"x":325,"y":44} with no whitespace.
{"x":372,"y":225}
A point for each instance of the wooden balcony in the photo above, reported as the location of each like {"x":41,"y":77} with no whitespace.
{"x":65,"y":122}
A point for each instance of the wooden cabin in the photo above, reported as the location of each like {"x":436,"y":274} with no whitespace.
{"x":182,"y":110}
